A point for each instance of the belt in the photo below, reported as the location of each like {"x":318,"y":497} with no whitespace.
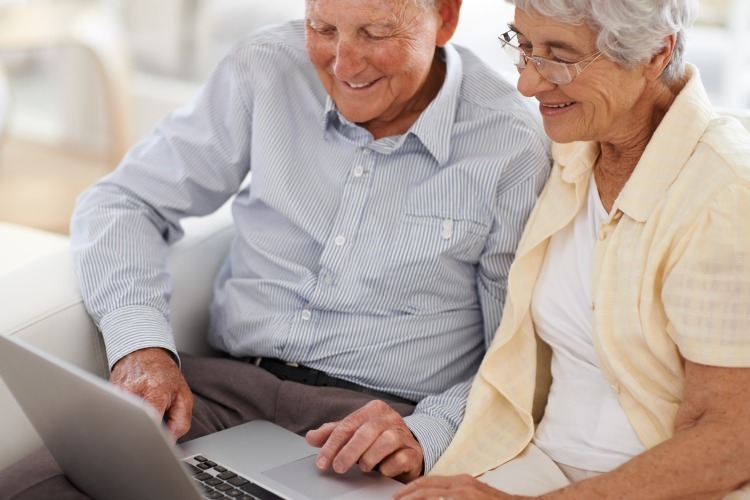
{"x":309,"y":376}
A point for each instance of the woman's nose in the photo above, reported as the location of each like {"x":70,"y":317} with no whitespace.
{"x":531,"y":82}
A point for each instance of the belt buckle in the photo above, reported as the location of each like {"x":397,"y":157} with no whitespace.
{"x":259,"y":359}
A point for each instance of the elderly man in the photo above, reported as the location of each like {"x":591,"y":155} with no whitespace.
{"x":392,"y":174}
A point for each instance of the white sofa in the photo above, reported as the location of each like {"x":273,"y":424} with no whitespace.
{"x":40,"y":303}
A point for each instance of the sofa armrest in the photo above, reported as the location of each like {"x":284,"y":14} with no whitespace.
{"x":41,"y":304}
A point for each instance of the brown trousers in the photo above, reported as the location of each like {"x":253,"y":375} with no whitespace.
{"x":227,"y":393}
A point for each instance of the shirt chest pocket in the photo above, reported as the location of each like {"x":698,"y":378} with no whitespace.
{"x":430,"y":237}
{"x":432,"y":263}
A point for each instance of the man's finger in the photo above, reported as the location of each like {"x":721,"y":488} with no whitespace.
{"x":179,"y":415}
{"x":356,"y":446}
{"x":340,"y":434}
{"x":318,"y":437}
{"x":404,"y":465}
{"x":157,"y":401}
{"x":388,"y":442}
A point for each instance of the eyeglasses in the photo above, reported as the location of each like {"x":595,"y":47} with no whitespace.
{"x":553,"y":71}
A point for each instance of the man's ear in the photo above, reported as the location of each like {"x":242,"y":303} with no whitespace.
{"x":448,"y":11}
{"x":660,"y":60}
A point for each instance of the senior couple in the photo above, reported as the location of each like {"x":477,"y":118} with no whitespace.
{"x":394,"y":179}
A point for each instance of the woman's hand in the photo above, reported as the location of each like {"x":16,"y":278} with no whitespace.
{"x":462,"y":487}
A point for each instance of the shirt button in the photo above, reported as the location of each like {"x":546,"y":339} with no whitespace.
{"x":358,"y":171}
{"x":615,"y":388}
{"x":328,"y":279}
{"x":366,"y":152}
{"x":593,"y":306}
{"x":601,"y":236}
{"x":340,"y":241}
{"x":306,"y":314}
{"x":446,"y":229}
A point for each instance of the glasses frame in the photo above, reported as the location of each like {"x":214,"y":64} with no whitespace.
{"x":541,"y":63}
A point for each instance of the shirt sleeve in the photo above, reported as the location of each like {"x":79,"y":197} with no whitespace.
{"x":189,"y":165}
{"x":436,"y":418}
{"x":707,"y":291}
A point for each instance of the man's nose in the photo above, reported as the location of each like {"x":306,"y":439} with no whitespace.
{"x":350,"y":58}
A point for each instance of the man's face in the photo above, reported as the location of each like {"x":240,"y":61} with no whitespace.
{"x":373,"y":56}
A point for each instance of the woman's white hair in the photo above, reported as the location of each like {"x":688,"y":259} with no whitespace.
{"x":630,"y":31}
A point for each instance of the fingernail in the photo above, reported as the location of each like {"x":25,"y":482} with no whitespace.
{"x":322,"y":463}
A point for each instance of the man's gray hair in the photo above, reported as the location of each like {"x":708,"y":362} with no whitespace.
{"x":629,"y":31}
{"x":426,"y":4}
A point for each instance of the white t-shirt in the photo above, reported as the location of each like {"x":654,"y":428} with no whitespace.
{"x":584,"y":425}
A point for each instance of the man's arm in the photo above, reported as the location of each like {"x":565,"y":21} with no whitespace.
{"x":376,"y":436}
{"x":192,"y":162}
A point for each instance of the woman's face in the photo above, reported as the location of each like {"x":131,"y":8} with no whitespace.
{"x":372,"y":56}
{"x":600,"y":104}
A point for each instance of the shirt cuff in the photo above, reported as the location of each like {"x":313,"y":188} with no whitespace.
{"x":433,"y":434}
{"x":135,"y":327}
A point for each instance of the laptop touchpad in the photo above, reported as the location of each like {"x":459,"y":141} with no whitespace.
{"x":304,"y":477}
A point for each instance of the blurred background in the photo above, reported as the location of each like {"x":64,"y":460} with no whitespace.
{"x":81,"y":80}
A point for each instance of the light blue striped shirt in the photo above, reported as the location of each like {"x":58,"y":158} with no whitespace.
{"x":382,"y":262}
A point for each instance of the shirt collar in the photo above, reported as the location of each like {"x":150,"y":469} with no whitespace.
{"x":666,"y":153}
{"x":434,"y":127}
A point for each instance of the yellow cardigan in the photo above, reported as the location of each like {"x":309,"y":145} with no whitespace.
{"x":671,"y":280}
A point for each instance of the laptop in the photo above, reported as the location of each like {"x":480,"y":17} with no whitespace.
{"x":111,"y":445}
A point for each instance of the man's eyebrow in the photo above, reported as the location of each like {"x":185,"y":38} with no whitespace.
{"x":555,"y":44}
{"x":384,"y":23}
{"x":392,"y":20}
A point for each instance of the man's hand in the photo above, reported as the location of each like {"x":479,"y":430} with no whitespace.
{"x":153,"y":375}
{"x":375,"y":436}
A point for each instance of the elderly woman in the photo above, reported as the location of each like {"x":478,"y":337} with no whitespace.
{"x":633,"y":273}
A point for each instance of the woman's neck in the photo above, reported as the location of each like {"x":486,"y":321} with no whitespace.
{"x":618,"y":158}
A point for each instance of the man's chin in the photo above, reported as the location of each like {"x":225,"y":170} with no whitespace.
{"x":357,"y":116}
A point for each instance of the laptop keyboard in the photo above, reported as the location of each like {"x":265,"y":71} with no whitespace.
{"x":216,"y":481}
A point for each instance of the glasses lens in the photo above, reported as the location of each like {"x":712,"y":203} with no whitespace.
{"x":555,"y":72}
{"x":514,"y":53}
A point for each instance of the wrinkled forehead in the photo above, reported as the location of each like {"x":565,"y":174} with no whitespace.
{"x":354,"y":4}
{"x":350,"y":7}
{"x":363,"y":12}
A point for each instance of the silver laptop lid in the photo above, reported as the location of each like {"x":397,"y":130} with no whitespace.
{"x":51,"y":393}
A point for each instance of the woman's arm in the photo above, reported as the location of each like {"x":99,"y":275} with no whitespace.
{"x":708,"y":456}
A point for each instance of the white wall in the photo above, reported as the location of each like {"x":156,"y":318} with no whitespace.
{"x":220,"y":23}
{"x":175,"y":43}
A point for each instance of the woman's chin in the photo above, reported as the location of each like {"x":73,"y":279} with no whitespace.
{"x":559,"y":134}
